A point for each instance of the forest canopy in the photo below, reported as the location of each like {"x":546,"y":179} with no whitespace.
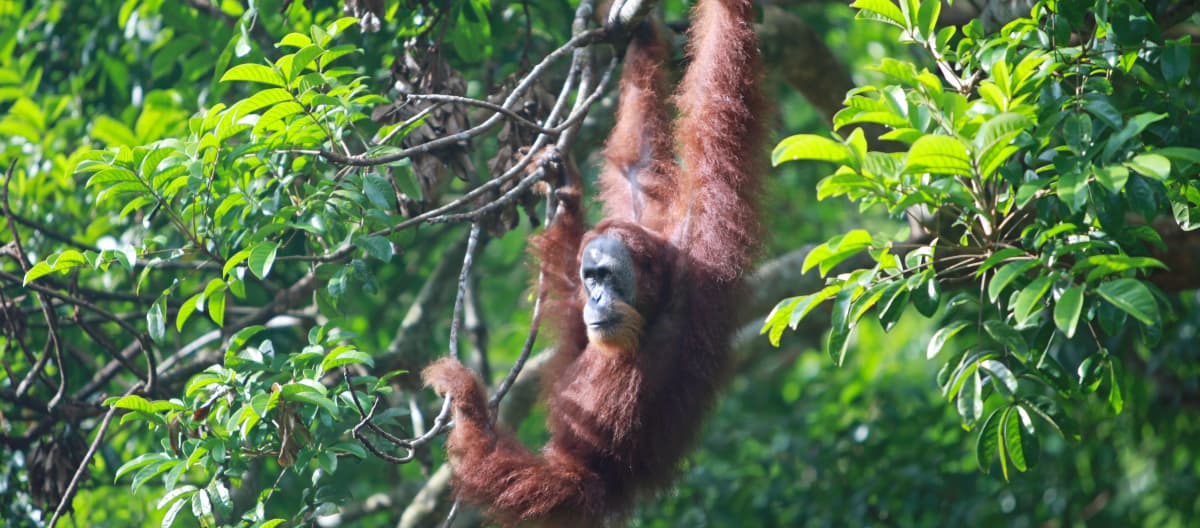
{"x":234,"y":232}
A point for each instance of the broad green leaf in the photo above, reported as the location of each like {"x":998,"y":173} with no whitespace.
{"x":1072,"y":188}
{"x":216,"y":307}
{"x":253,"y":73}
{"x":345,"y":355}
{"x":942,"y":336}
{"x":132,"y":402}
{"x":882,"y":10}
{"x":233,"y":261}
{"x":1006,"y":274}
{"x":1006,"y":335}
{"x":1001,"y":375}
{"x":244,"y":335}
{"x":139,"y":462}
{"x":302,"y":59}
{"x":776,"y":321}
{"x":988,"y":442}
{"x":201,"y":505}
{"x":179,"y":493}
{"x":1112,"y":177}
{"x":810,"y":147}
{"x":1029,"y":300}
{"x":1151,"y":165}
{"x":261,"y":258}
{"x":840,"y":325}
{"x":925,"y":293}
{"x":295,"y":40}
{"x":37,"y":271}
{"x":1002,"y":127}
{"x":892,"y":304}
{"x":155,"y":322}
{"x":1133,"y":297}
{"x":806,"y":303}
{"x":1067,"y":310}
{"x":927,"y":17}
{"x":1013,"y":443}
{"x":376,"y":246}
{"x":938,"y":155}
{"x":1188,"y":154}
{"x":186,"y":310}
{"x":970,"y":400}
{"x":276,"y":114}
{"x":168,"y":519}
{"x":379,"y":192}
{"x":263,"y":99}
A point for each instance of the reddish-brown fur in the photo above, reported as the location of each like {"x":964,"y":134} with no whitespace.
{"x":620,"y":422}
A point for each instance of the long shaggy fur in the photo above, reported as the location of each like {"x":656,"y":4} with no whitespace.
{"x":620,"y":422}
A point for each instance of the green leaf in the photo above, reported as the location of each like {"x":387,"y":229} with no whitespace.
{"x":1187,"y":154}
{"x":1001,"y":375}
{"x":233,"y":261}
{"x":942,"y":336}
{"x":376,"y":246}
{"x":810,"y":147}
{"x":276,"y":114}
{"x":1067,"y":310}
{"x":263,"y":99}
{"x":303,"y":58}
{"x":1002,"y":127}
{"x":155,"y":322}
{"x":1133,"y":297}
{"x":840,"y":325}
{"x":313,"y":398}
{"x":216,"y":307}
{"x":132,"y":402}
{"x":151,"y":471}
{"x":186,"y":310}
{"x":1090,"y":371}
{"x":927,"y":17}
{"x":1114,"y":394}
{"x":295,"y":40}
{"x":253,"y":73}
{"x":140,"y":462}
{"x":970,"y":401}
{"x":38,"y":270}
{"x":244,"y":335}
{"x":1112,"y":177}
{"x":882,"y":10}
{"x":379,"y":192}
{"x":1029,"y":300}
{"x":892,"y":304}
{"x":938,"y":155}
{"x":201,"y":505}
{"x":180,"y":493}
{"x":261,"y":258}
{"x":988,"y":442}
{"x":1072,"y":188}
{"x":926,"y":293}
{"x":1006,"y":274}
{"x":345,"y":355}
{"x":169,"y":518}
{"x":1021,"y":445}
{"x":1151,"y":165}
{"x":1006,"y":335}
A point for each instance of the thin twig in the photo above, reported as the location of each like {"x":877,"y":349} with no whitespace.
{"x":463,"y":276}
{"x":73,"y":487}
{"x":54,"y":342}
{"x":484,"y":104}
{"x":582,"y":39}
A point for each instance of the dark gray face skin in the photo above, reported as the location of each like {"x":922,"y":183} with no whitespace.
{"x":608,"y":276}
